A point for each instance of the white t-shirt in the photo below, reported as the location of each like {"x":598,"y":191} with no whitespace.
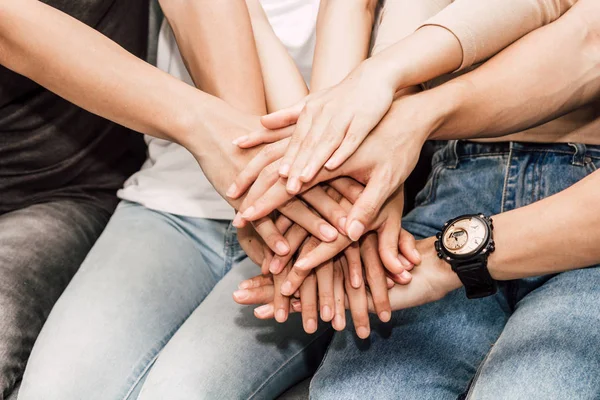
{"x":171,"y":180}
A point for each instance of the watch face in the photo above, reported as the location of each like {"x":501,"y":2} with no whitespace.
{"x":465,"y":236}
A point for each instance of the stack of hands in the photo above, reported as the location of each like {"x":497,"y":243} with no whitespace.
{"x":320,"y":204}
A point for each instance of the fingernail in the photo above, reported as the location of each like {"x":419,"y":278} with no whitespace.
{"x":280,"y":315}
{"x":362,"y":332}
{"x":417,"y":254}
{"x":356,"y":230}
{"x":274,"y":266}
{"x":239,"y":140}
{"x":293,"y":185}
{"x":338,"y":321}
{"x":355,"y":281}
{"x":245,"y":285}
{"x":342,"y":223}
{"x":404,"y":261}
{"x":282,"y":248}
{"x":263,"y":310}
{"x":284,"y":170}
{"x":311,"y":326}
{"x":296,"y":305}
{"x":306,"y":172}
{"x":241,"y":294}
{"x":326,"y":313}
{"x":286,"y":288}
{"x":328,"y":231}
{"x":330,"y":164}
{"x":406,"y":275}
{"x":248,"y":213}
{"x":237,"y":220}
{"x":232,"y":190}
{"x":301,"y":263}
{"x":385,"y":316}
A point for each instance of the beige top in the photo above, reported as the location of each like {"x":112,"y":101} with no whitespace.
{"x":485,"y":27}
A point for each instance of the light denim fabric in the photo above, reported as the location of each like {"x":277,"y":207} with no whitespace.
{"x":537,"y":338}
{"x":150,"y":315}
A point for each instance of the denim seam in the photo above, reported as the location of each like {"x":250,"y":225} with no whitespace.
{"x":284,"y":365}
{"x":434,"y":177}
{"x":228,"y":250}
{"x":157,"y":349}
{"x":477,"y":374}
{"x":506,"y":177}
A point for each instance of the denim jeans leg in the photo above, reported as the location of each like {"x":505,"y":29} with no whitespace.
{"x":41,"y":248}
{"x":549,"y":347}
{"x":145,"y":275}
{"x":223,"y":351}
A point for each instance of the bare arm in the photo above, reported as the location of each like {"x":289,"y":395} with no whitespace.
{"x":548,"y":73}
{"x":86,"y":68}
{"x":218,"y":50}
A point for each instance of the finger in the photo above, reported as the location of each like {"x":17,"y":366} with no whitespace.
{"x":401,"y":279}
{"x":283,"y":223}
{"x":308,"y":296}
{"x":284,"y":117}
{"x":268,"y":257}
{"x":390,"y":282}
{"x":317,"y":149}
{"x":347,"y":187}
{"x":325,"y":290}
{"x":302,"y":127}
{"x":389,"y":236}
{"x":263,"y":136}
{"x":367,"y":206}
{"x":376,"y":277}
{"x":267,"y":311}
{"x":326,"y":206}
{"x":258,"y":295}
{"x":357,"y":301}
{"x":296,"y":275}
{"x":260,"y":203}
{"x":268,"y":156}
{"x":323,"y":252}
{"x":298,"y":212}
{"x":355,"y":269}
{"x":312,"y":140}
{"x":257,"y":281}
{"x":357,"y":131}
{"x":339,"y":320}
{"x":272,"y":237}
{"x":408,"y":247}
{"x":281,"y":303}
{"x":295,"y":237}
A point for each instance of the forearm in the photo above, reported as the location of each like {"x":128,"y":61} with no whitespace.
{"x":343,"y":37}
{"x":559,"y":233}
{"x":462,"y":34}
{"x":216,"y":42}
{"x":283,"y":83}
{"x":85,"y":67}
{"x":546,"y":74}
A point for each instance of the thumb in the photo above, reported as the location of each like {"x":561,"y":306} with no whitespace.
{"x":365,"y":209}
{"x":284,"y":117}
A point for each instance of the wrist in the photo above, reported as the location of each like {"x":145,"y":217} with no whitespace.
{"x":445,"y":280}
{"x":445,"y":102}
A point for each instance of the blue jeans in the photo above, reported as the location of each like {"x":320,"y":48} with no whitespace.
{"x":41,"y":248}
{"x":150,"y":315}
{"x":537,"y":338}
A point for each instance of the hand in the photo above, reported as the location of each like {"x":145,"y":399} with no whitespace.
{"x":221,"y":162}
{"x":382,"y":163}
{"x":432,"y":280}
{"x":333,"y":121}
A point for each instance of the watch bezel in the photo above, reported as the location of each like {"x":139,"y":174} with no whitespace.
{"x":484,"y":248}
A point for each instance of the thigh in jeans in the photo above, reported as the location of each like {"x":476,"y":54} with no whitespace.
{"x":549,"y":347}
{"x":41,"y":247}
{"x":142,"y":279}
{"x":223,"y":352}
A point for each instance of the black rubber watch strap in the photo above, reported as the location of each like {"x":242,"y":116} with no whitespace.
{"x":476,"y":278}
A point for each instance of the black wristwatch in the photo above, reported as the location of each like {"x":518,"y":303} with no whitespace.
{"x":465,"y":243}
